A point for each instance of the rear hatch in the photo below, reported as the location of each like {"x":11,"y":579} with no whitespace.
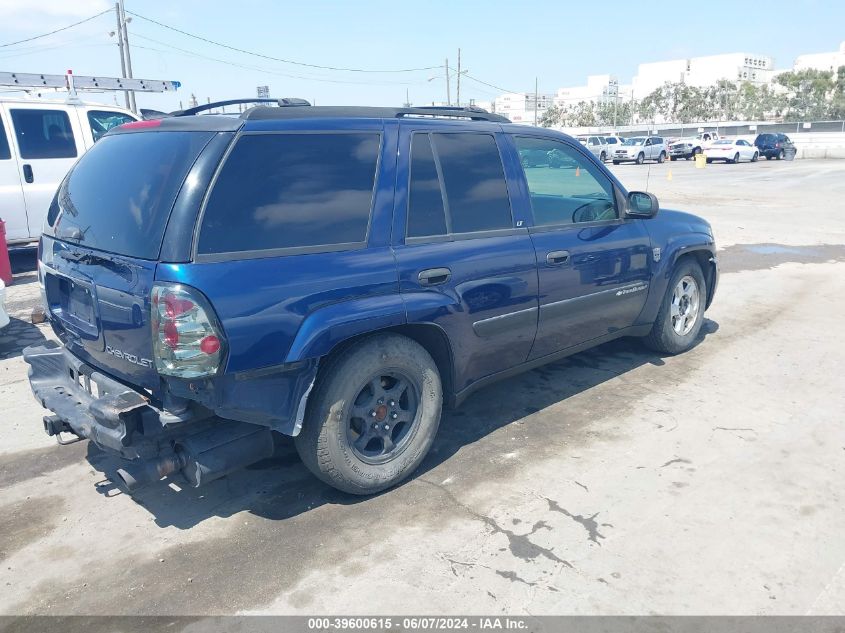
{"x":102,"y":242}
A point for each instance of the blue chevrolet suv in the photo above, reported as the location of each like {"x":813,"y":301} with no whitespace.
{"x":336,"y":274}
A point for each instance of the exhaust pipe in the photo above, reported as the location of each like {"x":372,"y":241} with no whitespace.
{"x":141,"y":473}
{"x":205,"y":456}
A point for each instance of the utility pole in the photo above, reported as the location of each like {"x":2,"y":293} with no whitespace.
{"x":120,"y":46}
{"x":132,"y":105}
{"x":448,"y":88}
{"x":536,"y":99}
{"x":459,"y":78}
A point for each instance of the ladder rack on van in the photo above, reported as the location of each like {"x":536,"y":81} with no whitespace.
{"x":72,"y":83}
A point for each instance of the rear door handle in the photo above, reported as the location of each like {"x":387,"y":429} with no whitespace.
{"x":434,"y":276}
{"x":556,"y":258}
{"x":27,"y":173}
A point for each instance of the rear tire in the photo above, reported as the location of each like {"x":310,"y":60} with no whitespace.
{"x":373,"y":415}
{"x":661,"y":158}
{"x":681,"y":312}
{"x":735,"y":159}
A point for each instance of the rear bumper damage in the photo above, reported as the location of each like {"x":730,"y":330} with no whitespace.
{"x":122,"y":421}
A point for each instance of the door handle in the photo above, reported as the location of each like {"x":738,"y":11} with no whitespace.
{"x":27,"y":173}
{"x":556,"y":258}
{"x":434,"y":276}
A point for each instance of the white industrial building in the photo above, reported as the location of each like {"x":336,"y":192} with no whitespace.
{"x":821,"y":61}
{"x":519,"y":106}
{"x":703,"y":71}
{"x":599,"y":89}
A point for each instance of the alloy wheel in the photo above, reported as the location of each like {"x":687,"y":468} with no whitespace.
{"x":686,"y":300}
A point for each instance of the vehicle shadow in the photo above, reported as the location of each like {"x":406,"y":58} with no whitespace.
{"x":18,"y":335}
{"x":281,"y":487}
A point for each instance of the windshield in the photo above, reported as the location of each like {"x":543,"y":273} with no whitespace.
{"x":119,"y":195}
{"x":635,"y":140}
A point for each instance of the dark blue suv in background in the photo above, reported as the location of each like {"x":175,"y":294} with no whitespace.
{"x":336,"y":274}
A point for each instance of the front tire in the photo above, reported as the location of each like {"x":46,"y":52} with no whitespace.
{"x":616,"y":162}
{"x":755,"y":157}
{"x":681,"y":312}
{"x":603,"y":157}
{"x":373,"y":415}
{"x":780,"y":155}
{"x":640,"y":158}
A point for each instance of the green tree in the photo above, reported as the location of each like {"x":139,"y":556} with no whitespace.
{"x":808,"y":94}
{"x":551,"y":117}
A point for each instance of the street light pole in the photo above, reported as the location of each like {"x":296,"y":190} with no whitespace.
{"x":448,"y":89}
{"x":132,"y":105}
{"x":120,"y":47}
{"x":459,"y":78}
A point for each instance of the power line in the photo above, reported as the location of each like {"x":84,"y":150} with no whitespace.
{"x":258,"y":68}
{"x":278,"y":59}
{"x":64,"y":28}
{"x":488,"y":84}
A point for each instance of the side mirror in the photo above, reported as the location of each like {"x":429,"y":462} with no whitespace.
{"x":642,"y":205}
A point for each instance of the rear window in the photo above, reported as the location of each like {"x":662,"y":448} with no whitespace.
{"x":43,"y":133}
{"x":119,"y":196}
{"x":292,"y":191}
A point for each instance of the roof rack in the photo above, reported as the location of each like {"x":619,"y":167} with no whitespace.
{"x":471,"y":113}
{"x":285,"y":102}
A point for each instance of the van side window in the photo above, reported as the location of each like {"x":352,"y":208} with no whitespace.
{"x":5,"y":151}
{"x":43,"y":133}
{"x":101,"y":121}
{"x":285,"y":191}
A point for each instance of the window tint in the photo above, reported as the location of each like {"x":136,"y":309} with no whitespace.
{"x":566,"y":188}
{"x":474,"y":182}
{"x":292,"y":190}
{"x":119,"y":195}
{"x":101,"y":121}
{"x":426,"y":214}
{"x":5,"y":152}
{"x":43,"y":133}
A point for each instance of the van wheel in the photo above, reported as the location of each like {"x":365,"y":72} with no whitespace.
{"x":373,"y":415}
{"x":681,"y":312}
{"x":640,"y":158}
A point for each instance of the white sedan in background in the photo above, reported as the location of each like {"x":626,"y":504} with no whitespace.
{"x":731,"y":151}
{"x":4,"y":317}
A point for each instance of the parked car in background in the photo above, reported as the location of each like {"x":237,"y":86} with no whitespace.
{"x":597,"y":145}
{"x":40,"y":140}
{"x":731,"y":151}
{"x":4,"y":316}
{"x":690,"y":147}
{"x":612,"y":142}
{"x":293,"y":288}
{"x":639,"y":149}
{"x":773,"y":145}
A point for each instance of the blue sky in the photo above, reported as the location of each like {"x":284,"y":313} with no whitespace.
{"x":504,"y":43}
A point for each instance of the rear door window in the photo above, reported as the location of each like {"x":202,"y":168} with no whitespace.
{"x":5,"y":151}
{"x":292,"y":191}
{"x":101,"y":121}
{"x":43,"y":133}
{"x":119,"y":195}
{"x":474,"y":192}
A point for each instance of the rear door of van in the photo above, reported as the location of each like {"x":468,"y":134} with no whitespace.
{"x":48,"y":139}
{"x":12,"y":206}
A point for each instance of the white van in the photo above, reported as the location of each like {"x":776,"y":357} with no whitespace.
{"x":39,"y":142}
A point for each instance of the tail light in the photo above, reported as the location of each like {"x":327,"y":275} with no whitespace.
{"x":777,"y":145}
{"x":187,"y":338}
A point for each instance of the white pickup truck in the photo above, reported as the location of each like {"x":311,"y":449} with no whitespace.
{"x":690,"y":146}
